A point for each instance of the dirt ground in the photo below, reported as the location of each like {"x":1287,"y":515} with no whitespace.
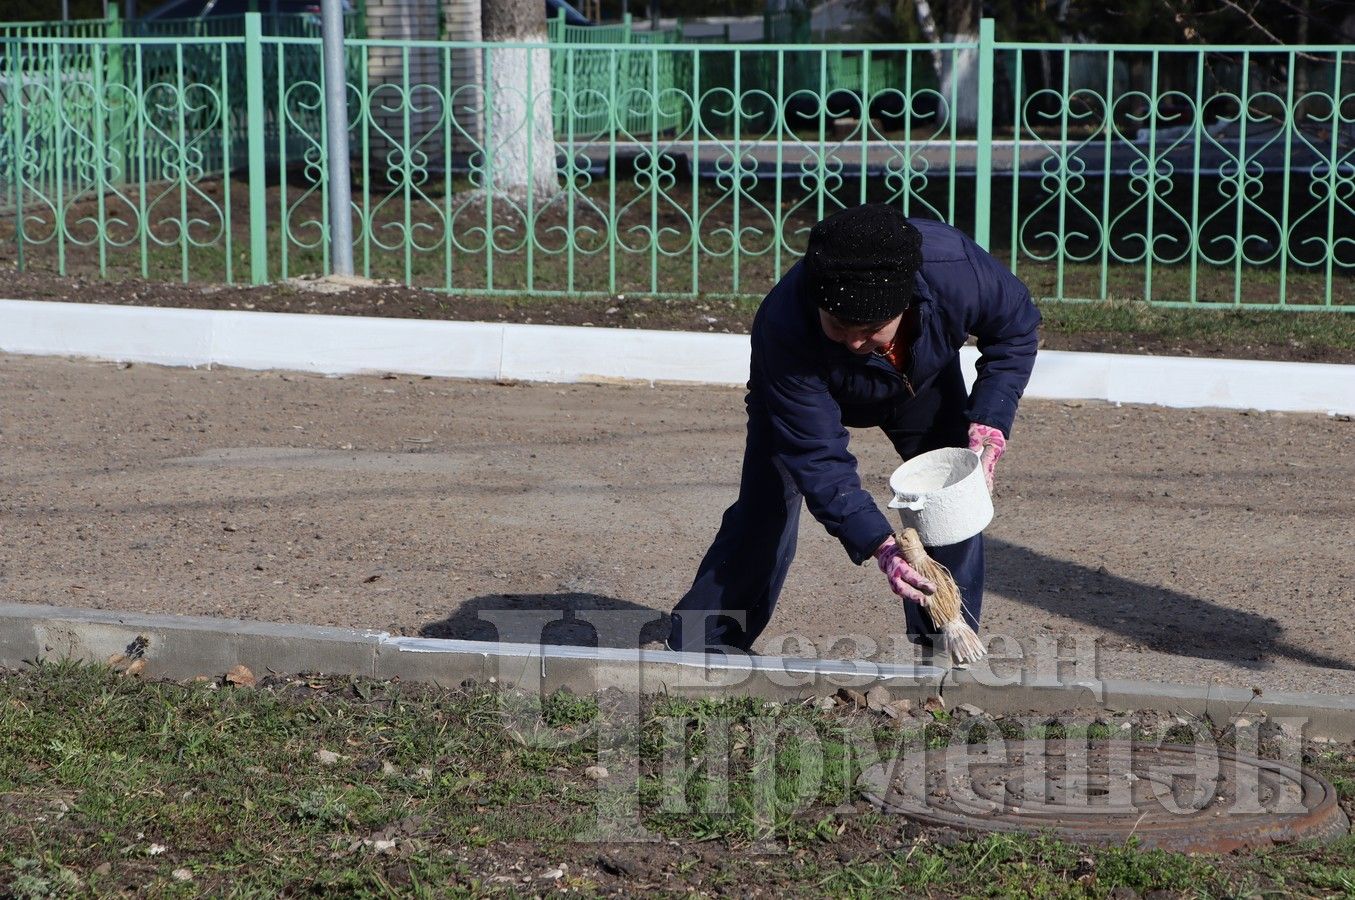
{"x":1192,"y":545}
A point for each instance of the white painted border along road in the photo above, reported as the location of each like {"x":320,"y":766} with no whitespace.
{"x":355,"y":344}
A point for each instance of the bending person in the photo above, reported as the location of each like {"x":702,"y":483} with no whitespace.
{"x":865,"y":331}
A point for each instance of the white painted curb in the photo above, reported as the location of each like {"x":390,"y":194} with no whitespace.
{"x":356,"y":344}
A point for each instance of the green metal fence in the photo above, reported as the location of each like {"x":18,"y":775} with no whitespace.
{"x":1219,"y":176}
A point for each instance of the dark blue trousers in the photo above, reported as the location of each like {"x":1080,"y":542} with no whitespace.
{"x":737,"y":584}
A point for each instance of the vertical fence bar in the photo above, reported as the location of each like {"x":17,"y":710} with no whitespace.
{"x":1064,"y":182}
{"x":407,"y":161}
{"x":446,"y":172}
{"x":823,"y":130}
{"x":954,"y":126}
{"x":491,"y":178}
{"x":984,"y":140}
{"x":1195,"y":179}
{"x":907,"y":168}
{"x":182,"y":127}
{"x":530,"y":224}
{"x":1016,"y":160}
{"x":326,"y":231}
{"x":58,"y":161}
{"x":226,"y":159}
{"x":141,"y":162}
{"x":284,"y":231}
{"x":1244,"y":104}
{"x":613,"y":124}
{"x":115,"y":81}
{"x":1108,"y":127}
{"x":1331,"y":174}
{"x":254,"y":118}
{"x":100,"y":161}
{"x":16,"y":79}
{"x":780,"y":125}
{"x":654,"y":169}
{"x":737,"y":168}
{"x":1288,"y":155}
{"x":571,"y":161}
{"x":865,"y":122}
{"x":1149,"y":242}
{"x":696,"y":170}
{"x":364,"y":121}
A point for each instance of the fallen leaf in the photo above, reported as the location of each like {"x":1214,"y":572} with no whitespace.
{"x":241,"y":676}
{"x":326,"y":757}
{"x":136,"y":668}
{"x":934,"y":704}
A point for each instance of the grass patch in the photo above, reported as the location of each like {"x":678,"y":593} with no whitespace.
{"x":1234,"y":328}
{"x":110,"y":785}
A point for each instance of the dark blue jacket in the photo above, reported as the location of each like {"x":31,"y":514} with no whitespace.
{"x":800,"y":380}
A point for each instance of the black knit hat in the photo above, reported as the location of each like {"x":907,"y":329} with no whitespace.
{"x":861,"y":262}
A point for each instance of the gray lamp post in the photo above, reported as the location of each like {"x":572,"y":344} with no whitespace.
{"x":336,"y":131}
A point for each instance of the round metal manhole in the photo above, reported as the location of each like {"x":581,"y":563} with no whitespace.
{"x":1195,"y":799}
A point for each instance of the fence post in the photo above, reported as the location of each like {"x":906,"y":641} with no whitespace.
{"x":338,"y":167}
{"x":254,"y":125}
{"x":983,"y":156}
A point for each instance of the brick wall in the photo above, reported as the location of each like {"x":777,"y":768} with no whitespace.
{"x":394,"y":91}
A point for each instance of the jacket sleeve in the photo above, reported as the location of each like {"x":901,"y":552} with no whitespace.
{"x":810,"y":443}
{"x":1004,"y":323}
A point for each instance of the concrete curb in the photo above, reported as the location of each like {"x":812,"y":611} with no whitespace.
{"x":357,"y":344}
{"x":181,"y":647}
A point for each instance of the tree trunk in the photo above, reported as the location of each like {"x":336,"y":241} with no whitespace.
{"x":927,"y":23}
{"x":520,"y":152}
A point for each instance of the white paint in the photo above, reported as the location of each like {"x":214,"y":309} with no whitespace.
{"x":356,"y":344}
{"x":942,"y":495}
{"x":568,"y":353}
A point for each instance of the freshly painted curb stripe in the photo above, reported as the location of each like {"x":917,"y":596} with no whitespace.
{"x":356,"y":344}
{"x":184,"y":647}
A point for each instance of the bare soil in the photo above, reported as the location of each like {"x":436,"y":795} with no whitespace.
{"x":1191,"y":545}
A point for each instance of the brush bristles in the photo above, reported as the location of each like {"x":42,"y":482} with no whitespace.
{"x":962,"y":643}
{"x":945,"y":606}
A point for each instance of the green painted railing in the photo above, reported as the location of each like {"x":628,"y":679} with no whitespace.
{"x":1182,"y":175}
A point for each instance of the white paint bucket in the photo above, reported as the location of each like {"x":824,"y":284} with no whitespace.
{"x":942,"y":494}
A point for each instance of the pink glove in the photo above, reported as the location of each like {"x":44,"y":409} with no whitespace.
{"x":904,"y":580}
{"x":989,"y":443}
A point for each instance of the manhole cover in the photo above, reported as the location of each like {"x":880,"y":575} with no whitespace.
{"x":1177,"y":797}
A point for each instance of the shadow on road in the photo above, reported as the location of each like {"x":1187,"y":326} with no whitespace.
{"x":575,"y":619}
{"x":1148,"y":616}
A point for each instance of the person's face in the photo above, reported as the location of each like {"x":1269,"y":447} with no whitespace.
{"x":860,"y":339}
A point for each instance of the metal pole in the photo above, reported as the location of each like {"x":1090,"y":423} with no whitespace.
{"x":336,"y":131}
